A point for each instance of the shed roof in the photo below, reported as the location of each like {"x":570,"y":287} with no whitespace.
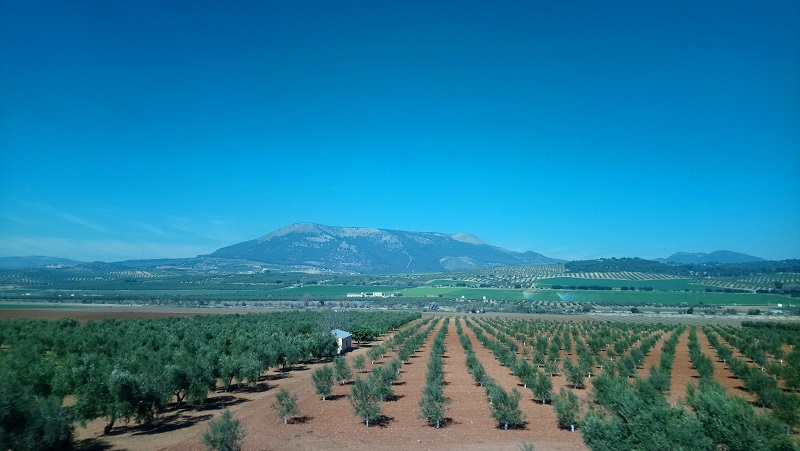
{"x":340,"y":333}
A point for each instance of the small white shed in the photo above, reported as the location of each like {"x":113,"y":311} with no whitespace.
{"x":343,"y":339}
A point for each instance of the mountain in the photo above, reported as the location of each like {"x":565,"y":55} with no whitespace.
{"x":36,"y":261}
{"x":368,"y":250}
{"x":714,"y":257}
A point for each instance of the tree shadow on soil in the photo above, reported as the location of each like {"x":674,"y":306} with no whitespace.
{"x":517,"y":427}
{"x":164,"y":424}
{"x":273,"y":377}
{"x":258,"y":388}
{"x":399,"y":383}
{"x":249,"y":388}
{"x":169,"y":424}
{"x":300,"y":420}
{"x":294,"y":368}
{"x":320,"y":360}
{"x":442,"y":424}
{"x":383,"y":421}
{"x":92,"y":444}
{"x":395,"y":398}
{"x":334,"y":397}
{"x":220,"y":402}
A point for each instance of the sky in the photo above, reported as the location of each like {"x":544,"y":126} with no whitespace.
{"x":578,"y":130}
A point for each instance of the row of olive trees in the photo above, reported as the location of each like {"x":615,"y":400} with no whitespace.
{"x":783,"y":406}
{"x":566,"y":403}
{"x":323,"y":377}
{"x":504,"y":406}
{"x":433,"y":404}
{"x":628,"y":416}
{"x":660,"y":377}
{"x":367,"y":394}
{"x":702,"y":364}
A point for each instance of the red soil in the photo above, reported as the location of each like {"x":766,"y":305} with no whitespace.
{"x":331,"y":424}
{"x":653,"y":357}
{"x":722,"y":374}
{"x":682,"y":372}
{"x":541,"y":429}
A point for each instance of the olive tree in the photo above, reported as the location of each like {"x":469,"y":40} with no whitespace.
{"x":566,"y":407}
{"x":323,"y":380}
{"x":364,"y":401}
{"x":224,"y":434}
{"x":505,"y":407}
{"x":341,"y":369}
{"x":433,"y":405}
{"x":542,"y":387}
{"x":359,"y":362}
{"x":285,"y":404}
{"x":575,"y":374}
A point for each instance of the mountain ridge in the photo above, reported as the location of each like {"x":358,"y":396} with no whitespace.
{"x":721,"y":256}
{"x":37,"y":261}
{"x":366,"y":249}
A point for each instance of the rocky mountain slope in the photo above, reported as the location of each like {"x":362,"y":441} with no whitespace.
{"x":368,"y":250}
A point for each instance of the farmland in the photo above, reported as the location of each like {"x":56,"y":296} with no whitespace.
{"x":542,"y":288}
{"x":485,"y":360}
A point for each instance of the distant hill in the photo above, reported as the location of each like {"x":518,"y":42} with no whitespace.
{"x":36,"y":261}
{"x":714,"y":257}
{"x":368,"y":250}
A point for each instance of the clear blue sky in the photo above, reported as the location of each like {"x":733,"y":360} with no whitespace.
{"x":574,"y":129}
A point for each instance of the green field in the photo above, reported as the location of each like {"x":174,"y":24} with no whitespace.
{"x":662,"y":284}
{"x":331,"y":290}
{"x":468,"y":293}
{"x":451,"y":283}
{"x":676,"y":295}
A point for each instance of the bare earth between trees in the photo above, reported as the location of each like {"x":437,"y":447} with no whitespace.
{"x":331,"y":424}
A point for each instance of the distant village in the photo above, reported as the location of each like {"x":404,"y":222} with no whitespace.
{"x":375,"y":294}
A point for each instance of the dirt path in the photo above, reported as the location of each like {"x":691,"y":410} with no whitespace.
{"x":653,"y":357}
{"x":682,"y":372}
{"x":469,"y":408}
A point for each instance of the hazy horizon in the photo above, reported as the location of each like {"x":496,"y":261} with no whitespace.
{"x":435,"y":231}
{"x":578,"y":131}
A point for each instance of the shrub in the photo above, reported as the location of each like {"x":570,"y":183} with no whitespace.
{"x":224,"y":434}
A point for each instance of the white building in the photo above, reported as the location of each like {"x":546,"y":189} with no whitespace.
{"x":344,"y":340}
